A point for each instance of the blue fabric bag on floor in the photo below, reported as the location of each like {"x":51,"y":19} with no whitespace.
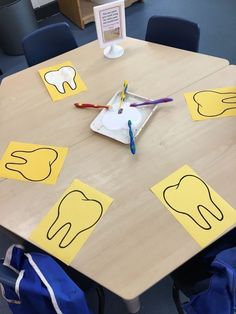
{"x":220,"y":296}
{"x":42,"y":286}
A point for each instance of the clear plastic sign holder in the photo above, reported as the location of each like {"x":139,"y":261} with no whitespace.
{"x":110,"y":26}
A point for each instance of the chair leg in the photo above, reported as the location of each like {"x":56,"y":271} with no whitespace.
{"x":175,"y":295}
{"x":101,"y":300}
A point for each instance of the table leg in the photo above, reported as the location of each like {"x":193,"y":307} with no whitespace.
{"x":133,"y":305}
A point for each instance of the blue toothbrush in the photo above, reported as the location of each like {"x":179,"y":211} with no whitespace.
{"x":131,"y":135}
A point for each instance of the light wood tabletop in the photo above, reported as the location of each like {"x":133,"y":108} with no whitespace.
{"x":138,"y":241}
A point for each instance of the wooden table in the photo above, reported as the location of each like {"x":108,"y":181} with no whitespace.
{"x":137,"y":242}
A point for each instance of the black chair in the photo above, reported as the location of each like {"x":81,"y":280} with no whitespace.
{"x":48,"y":42}
{"x":1,"y":74}
{"x":189,"y":280}
{"x":174,"y":32}
{"x":89,"y":287}
{"x":194,"y":276}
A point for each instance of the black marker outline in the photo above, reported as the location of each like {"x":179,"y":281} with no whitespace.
{"x":25,"y":162}
{"x":198,"y":207}
{"x":65,"y":66}
{"x":223,"y":101}
{"x":69,"y":224}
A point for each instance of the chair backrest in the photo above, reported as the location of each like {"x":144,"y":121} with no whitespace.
{"x":48,"y":42}
{"x":174,"y":32}
{"x":1,"y":74}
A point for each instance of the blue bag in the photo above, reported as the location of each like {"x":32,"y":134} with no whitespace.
{"x":42,"y":286}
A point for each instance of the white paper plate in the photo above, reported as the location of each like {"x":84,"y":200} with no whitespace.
{"x":114,"y":125}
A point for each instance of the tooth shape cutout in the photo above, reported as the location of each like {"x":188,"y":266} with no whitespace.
{"x":58,"y":78}
{"x":40,"y":159}
{"x":221,"y":102}
{"x":89,"y":211}
{"x":196,"y":206}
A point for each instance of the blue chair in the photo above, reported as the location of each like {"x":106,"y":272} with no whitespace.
{"x":194,"y":276}
{"x":48,"y":42}
{"x":173,"y":31}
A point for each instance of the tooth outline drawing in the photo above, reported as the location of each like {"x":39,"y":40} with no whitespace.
{"x":223,"y":101}
{"x":58,"y":70}
{"x":69,"y":224}
{"x":198,"y":207}
{"x":13,"y":154}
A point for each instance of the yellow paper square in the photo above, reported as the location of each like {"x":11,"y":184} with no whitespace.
{"x":62,"y":80}
{"x":69,"y":223}
{"x":210,"y":104}
{"x":32,"y":162}
{"x":199,"y":209}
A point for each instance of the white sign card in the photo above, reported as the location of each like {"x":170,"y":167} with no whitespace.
{"x":110,"y":22}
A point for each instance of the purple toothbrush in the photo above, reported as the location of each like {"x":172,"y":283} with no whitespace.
{"x":151,"y":102}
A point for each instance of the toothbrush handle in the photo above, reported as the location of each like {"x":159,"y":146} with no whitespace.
{"x":131,"y":136}
{"x":152,"y":102}
{"x":78,"y":105}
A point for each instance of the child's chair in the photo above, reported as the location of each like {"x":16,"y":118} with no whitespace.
{"x":47,"y":42}
{"x":173,"y":31}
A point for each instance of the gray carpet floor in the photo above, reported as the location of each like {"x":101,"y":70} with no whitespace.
{"x":217,"y":21}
